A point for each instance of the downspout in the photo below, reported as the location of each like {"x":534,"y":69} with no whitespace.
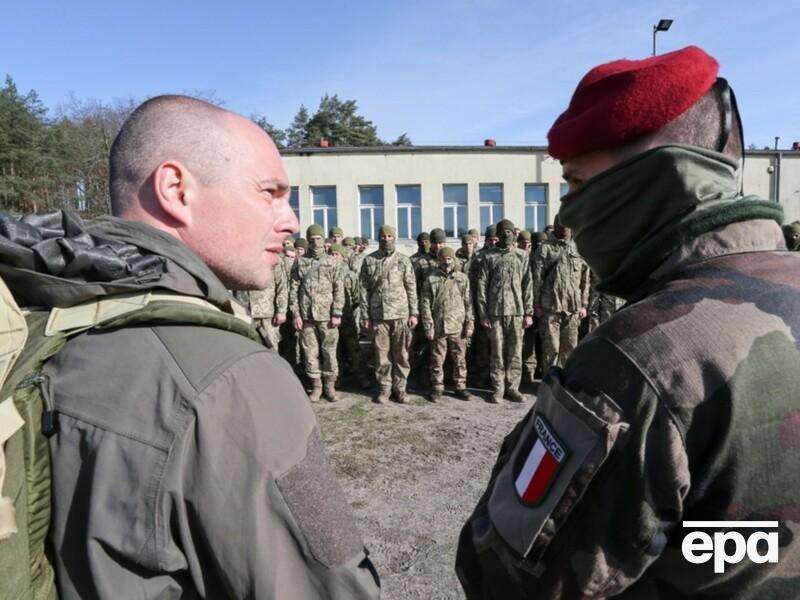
{"x":778,"y":177}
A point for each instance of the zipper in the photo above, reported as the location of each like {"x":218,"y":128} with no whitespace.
{"x":49,"y":413}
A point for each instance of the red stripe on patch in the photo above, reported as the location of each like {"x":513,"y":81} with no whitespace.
{"x":541,"y":479}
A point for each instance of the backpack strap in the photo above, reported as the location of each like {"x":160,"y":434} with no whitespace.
{"x":102,"y":311}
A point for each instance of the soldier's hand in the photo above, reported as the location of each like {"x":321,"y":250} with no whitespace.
{"x":279,"y":319}
{"x":527,"y":321}
{"x":365,"y":323}
{"x":537,"y":312}
{"x":582,"y":313}
{"x":335,"y":322}
{"x":429,"y":336}
{"x":298,"y":323}
{"x":486,"y":323}
{"x":412,"y":321}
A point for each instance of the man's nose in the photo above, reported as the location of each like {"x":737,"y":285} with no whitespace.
{"x":286,"y":221}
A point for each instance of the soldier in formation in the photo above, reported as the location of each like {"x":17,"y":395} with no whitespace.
{"x":505,"y":307}
{"x":601,"y":306}
{"x":316,"y":300}
{"x":349,"y":346}
{"x":561,"y":295}
{"x":267,"y":306}
{"x":389,"y":312}
{"x":447,"y":320}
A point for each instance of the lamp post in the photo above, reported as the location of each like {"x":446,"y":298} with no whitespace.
{"x":663,"y":25}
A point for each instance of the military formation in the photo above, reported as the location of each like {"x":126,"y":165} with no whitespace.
{"x":493,"y":317}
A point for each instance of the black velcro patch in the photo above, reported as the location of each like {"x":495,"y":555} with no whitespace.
{"x":320,"y":508}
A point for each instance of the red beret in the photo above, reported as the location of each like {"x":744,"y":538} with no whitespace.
{"x":622,"y":100}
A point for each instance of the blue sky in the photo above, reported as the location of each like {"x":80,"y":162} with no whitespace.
{"x":452,"y":72}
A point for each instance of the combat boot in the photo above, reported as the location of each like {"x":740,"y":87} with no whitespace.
{"x":383,"y":396}
{"x":364,"y":381}
{"x":496,"y":397}
{"x":515,"y":396}
{"x":464,"y":394}
{"x":435,"y":395}
{"x":330,"y":389}
{"x":316,"y":390}
{"x":400,"y":396}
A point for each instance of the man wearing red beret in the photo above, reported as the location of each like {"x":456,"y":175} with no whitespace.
{"x":683,"y":406}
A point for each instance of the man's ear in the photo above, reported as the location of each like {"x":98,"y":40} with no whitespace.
{"x":175,"y":190}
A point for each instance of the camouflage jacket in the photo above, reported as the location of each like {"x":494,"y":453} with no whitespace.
{"x":601,"y":306}
{"x":354,"y":262}
{"x":504,"y":284}
{"x":388,"y":287}
{"x":288,"y":264}
{"x":681,"y":407}
{"x":423,"y":263}
{"x":272,"y":300}
{"x":445,"y":305}
{"x":560,"y":278}
{"x":352,"y":295}
{"x":317,"y":291}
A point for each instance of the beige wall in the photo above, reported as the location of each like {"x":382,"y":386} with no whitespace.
{"x":511,"y":167}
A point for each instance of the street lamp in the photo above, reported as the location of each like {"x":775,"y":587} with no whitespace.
{"x":663,"y":25}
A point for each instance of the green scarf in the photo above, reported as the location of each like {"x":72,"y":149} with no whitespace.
{"x":627,"y":220}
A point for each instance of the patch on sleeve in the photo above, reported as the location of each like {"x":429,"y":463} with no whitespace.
{"x":319,"y":507}
{"x":538,"y":462}
{"x":557,"y":454}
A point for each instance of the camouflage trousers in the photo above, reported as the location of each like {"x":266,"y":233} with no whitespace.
{"x":559,"y":337}
{"x":390,"y":340}
{"x":505,"y":365}
{"x":457,"y":346}
{"x":268,"y":332}
{"x":319,"y":341}
{"x":350,"y":348}
{"x":289,"y":345}
{"x":530,"y":358}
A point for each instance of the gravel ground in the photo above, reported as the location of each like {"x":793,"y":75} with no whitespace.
{"x":413,"y":474}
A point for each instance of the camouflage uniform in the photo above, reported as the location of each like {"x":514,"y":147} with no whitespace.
{"x":504,"y":296}
{"x":289,"y":344}
{"x":479,"y":354}
{"x":561,"y":290}
{"x":601,"y":306}
{"x":348,"y":334}
{"x":446,"y":312}
{"x":317,"y":294}
{"x":264,"y":304}
{"x":388,"y":298}
{"x":690,"y":395}
{"x":423,"y":263}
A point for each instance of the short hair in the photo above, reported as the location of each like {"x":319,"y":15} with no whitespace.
{"x":167,"y":127}
{"x":701,"y":125}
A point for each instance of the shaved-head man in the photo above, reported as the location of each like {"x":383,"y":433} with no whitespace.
{"x":191,"y":463}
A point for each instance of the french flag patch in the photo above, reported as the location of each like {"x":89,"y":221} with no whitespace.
{"x":539,"y":469}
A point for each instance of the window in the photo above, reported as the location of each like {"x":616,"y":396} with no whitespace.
{"x":536,"y":206}
{"x":563,"y":190}
{"x":294,"y":202}
{"x":491,"y":203}
{"x":371,"y":201}
{"x":455,"y":209}
{"x":409,"y":213}
{"x":324,"y":201}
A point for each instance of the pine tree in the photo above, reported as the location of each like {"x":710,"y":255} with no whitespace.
{"x":296,"y":133}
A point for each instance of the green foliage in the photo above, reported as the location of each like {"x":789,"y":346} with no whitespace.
{"x":402,"y":140}
{"x":337,"y":121}
{"x":296,"y":136}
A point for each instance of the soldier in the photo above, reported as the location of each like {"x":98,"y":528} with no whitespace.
{"x":288,"y":247}
{"x":300,"y":247}
{"x":289,"y":254}
{"x":423,"y":266}
{"x":532,"y":340}
{"x":317,"y":300}
{"x":423,"y":246}
{"x":601,"y":306}
{"x":489,"y":238}
{"x":349,"y":346}
{"x":389,"y":311}
{"x":348,"y":247}
{"x":476,"y":236}
{"x":560,"y":295}
{"x":267,"y":306}
{"x":446,"y":313}
{"x":524,"y":241}
{"x":466,"y":253}
{"x":683,"y":406}
{"x":791,"y":234}
{"x":326,"y":244}
{"x":357,"y":257}
{"x":505,"y":306}
{"x":289,"y":341}
{"x":336,"y":235}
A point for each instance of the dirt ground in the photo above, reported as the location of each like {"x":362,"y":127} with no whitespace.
{"x":413,"y":474}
